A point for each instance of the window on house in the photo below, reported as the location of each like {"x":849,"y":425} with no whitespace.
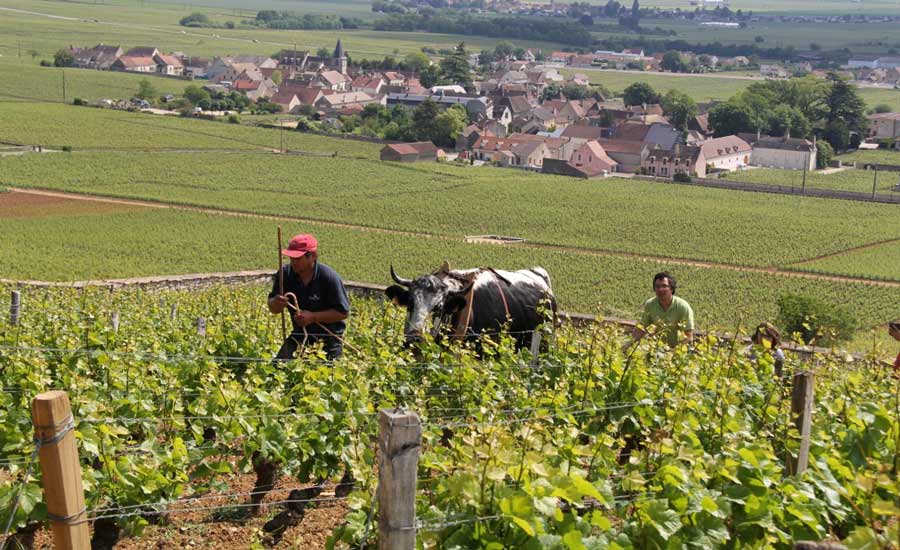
{"x":664,"y":172}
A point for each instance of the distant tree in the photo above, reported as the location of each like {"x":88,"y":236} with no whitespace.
{"x":196,"y":95}
{"x":146,"y":90}
{"x":504,"y":49}
{"x":759,"y":39}
{"x":784,"y":119}
{"x":679,"y":107}
{"x":640,"y":93}
{"x":455,"y":67}
{"x":195,"y":20}
{"x":551,"y":91}
{"x":277,"y":77}
{"x":815,"y":46}
{"x":635,"y":10}
{"x":449,"y":124}
{"x":230,"y":25}
{"x":730,"y":118}
{"x":323,"y":52}
{"x":837,"y":133}
{"x":882,"y":108}
{"x":824,"y":154}
{"x":672,"y":61}
{"x":63,"y":58}
{"x":430,"y":76}
{"x":416,"y":61}
{"x":586,"y":20}
{"x":425,"y":120}
{"x":844,"y":103}
{"x":611,"y":9}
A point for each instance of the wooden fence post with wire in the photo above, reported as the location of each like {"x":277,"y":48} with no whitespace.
{"x":399,"y":444}
{"x":802,"y":397}
{"x":535,"y":347}
{"x":15,"y":307}
{"x":54,"y":435}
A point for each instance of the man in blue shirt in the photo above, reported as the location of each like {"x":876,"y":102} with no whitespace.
{"x":321,"y":304}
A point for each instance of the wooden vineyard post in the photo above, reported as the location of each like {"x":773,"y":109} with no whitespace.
{"x":535,"y":347}
{"x":173,"y":312}
{"x":15,"y":307}
{"x":54,"y":434}
{"x":201,"y":326}
{"x":114,"y":321}
{"x":802,"y":397}
{"x":399,"y":444}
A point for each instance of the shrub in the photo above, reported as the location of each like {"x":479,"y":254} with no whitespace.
{"x":682,"y":177}
{"x":67,"y":148}
{"x":79,"y":101}
{"x":234,"y":119}
{"x":46,"y":63}
{"x":815,"y":321}
{"x":824,"y":154}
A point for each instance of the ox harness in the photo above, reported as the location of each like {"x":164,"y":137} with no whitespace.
{"x":465,"y":316}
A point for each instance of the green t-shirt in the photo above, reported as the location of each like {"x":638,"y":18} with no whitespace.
{"x":679,"y":316}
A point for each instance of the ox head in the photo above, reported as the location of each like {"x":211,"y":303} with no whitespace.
{"x":437,"y":294}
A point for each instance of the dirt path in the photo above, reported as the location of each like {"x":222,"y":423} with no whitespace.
{"x":544,"y":246}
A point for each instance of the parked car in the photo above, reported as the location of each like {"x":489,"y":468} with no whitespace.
{"x":167,"y":98}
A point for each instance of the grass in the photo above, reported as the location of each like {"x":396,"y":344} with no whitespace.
{"x":847,"y":180}
{"x":163,"y":241}
{"x":610,"y":215}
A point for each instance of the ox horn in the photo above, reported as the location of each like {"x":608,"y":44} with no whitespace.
{"x":400,"y":281}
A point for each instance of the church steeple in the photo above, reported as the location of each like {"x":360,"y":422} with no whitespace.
{"x":340,"y":58}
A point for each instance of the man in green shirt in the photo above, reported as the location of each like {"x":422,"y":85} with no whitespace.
{"x":671,"y":313}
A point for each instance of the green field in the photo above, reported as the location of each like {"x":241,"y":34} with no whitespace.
{"x":861,"y":181}
{"x":130,"y":25}
{"x":456,"y":201}
{"x":703,"y":88}
{"x":91,"y":128}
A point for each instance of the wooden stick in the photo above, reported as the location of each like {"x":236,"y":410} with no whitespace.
{"x":281,"y":284}
{"x":801,"y":414}
{"x":61,"y":480}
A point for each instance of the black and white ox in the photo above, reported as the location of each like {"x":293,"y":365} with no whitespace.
{"x":473,"y":302}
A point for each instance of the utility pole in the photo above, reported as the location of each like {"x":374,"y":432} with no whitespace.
{"x":805,"y":168}
{"x":874,"y":182}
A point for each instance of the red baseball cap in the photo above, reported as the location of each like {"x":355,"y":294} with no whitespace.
{"x":300,"y":245}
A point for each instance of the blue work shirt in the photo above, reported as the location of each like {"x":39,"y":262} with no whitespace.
{"x":325,"y":291}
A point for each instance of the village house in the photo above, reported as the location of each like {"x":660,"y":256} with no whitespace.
{"x":286,"y":100}
{"x":529,"y":155}
{"x":470,"y":134}
{"x":412,"y":152}
{"x":665,"y":163}
{"x":196,"y":67}
{"x":134,"y":64}
{"x":884,"y":125}
{"x":580,"y":135}
{"x":342,"y":100}
{"x":142,"y":51}
{"x":588,"y":161}
{"x":168,"y":65}
{"x":334,"y":81}
{"x":726,"y":153}
{"x":490,"y":148}
{"x":371,"y":84}
{"x":99,"y":57}
{"x":255,"y":89}
{"x":629,"y":155}
{"x":786,"y":153}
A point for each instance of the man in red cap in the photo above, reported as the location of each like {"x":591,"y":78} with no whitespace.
{"x":321,"y":304}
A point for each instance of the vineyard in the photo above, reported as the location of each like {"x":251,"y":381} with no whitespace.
{"x":88,"y":128}
{"x":861,"y":181}
{"x":588,"y":445}
{"x":718,"y":225}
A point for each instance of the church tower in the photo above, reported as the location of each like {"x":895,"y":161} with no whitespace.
{"x":340,"y":59}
